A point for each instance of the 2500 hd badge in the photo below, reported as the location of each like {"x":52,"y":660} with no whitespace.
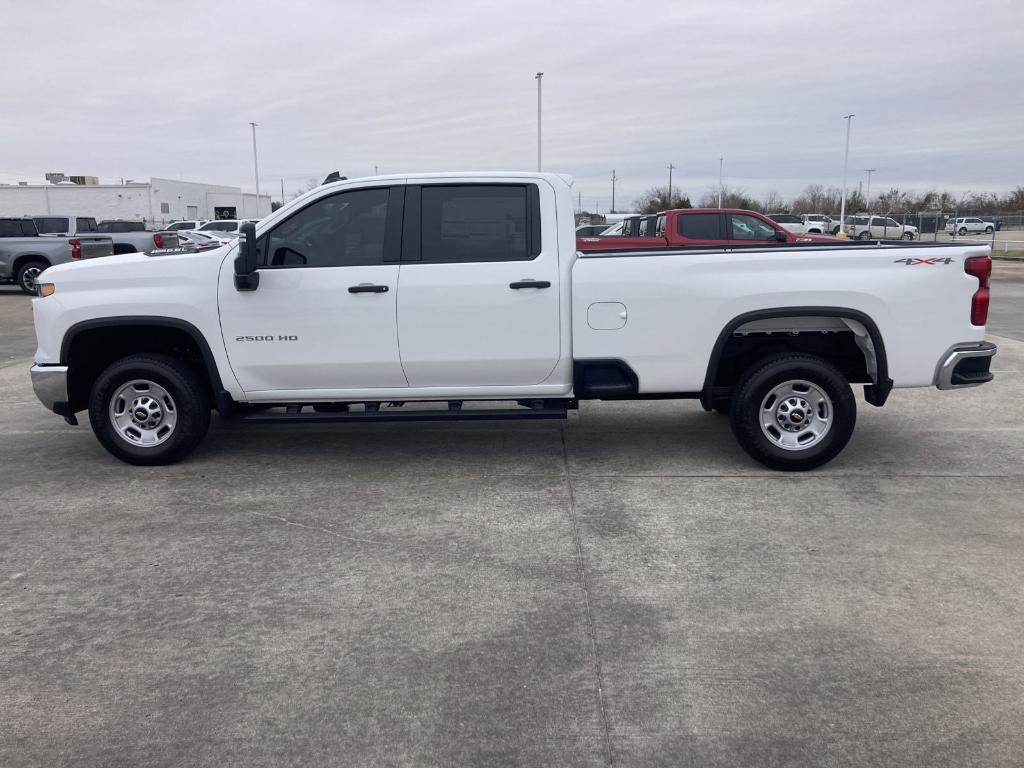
{"x":267,"y":338}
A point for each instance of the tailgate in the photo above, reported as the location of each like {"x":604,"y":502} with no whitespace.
{"x":94,"y":246}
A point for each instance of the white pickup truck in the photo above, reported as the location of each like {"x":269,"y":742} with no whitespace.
{"x":406,"y":297}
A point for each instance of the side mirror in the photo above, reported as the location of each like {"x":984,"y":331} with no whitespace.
{"x":780,"y":236}
{"x":246,"y":276}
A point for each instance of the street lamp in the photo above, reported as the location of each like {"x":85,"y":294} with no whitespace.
{"x":256,"y":169}
{"x":867,"y":195}
{"x":670,"y":167}
{"x":846,"y":163}
{"x":721,"y":162}
{"x":538,"y":77}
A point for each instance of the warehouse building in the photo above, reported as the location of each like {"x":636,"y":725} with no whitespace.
{"x":156,"y":202}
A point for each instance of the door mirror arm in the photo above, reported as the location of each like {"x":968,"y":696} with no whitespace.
{"x":247,"y":278}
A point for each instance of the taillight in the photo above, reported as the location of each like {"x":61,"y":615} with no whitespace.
{"x":981,"y":268}
{"x":158,"y":239}
{"x":76,"y":248}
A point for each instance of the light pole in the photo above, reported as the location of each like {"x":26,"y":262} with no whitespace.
{"x":846,"y":163}
{"x":721,"y":163}
{"x":867,"y":195}
{"x":375,"y":171}
{"x":669,"y":202}
{"x":539,"y":76}
{"x":614,"y":179}
{"x":256,"y":168}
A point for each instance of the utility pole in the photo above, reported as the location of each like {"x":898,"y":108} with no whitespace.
{"x":256,"y":169}
{"x":375,"y":173}
{"x":670,"y":167}
{"x":579,"y":202}
{"x":539,"y":76}
{"x":867,"y":195}
{"x":721,"y":163}
{"x":846,"y":162}
{"x":614,"y":179}
{"x":282,"y":191}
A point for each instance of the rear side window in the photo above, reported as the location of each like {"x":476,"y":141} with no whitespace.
{"x":478,"y":222}
{"x":343,"y":230}
{"x":699,"y":226}
{"x":85,"y":225}
{"x":52,"y":225}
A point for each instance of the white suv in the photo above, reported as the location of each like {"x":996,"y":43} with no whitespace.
{"x":789,"y":222}
{"x":820,"y":224}
{"x":879,"y":228}
{"x":970,"y":224}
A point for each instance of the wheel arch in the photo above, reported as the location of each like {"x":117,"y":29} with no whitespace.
{"x":21,"y":259}
{"x":122,"y":328}
{"x":875,"y":392}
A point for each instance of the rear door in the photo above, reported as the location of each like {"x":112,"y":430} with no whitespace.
{"x":323,"y":316}
{"x":478,"y":295}
{"x":697,"y":229}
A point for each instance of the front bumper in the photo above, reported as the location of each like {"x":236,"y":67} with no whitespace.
{"x":966,"y":365}
{"x":50,"y":383}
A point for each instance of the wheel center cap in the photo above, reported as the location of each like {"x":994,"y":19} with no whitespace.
{"x":796,"y":416}
{"x":141,"y":414}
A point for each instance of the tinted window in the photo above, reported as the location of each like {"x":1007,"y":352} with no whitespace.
{"x":221,"y":226}
{"x":698,"y":226}
{"x":51,"y":225}
{"x":745,"y":227}
{"x":85,"y":225}
{"x":474,"y":223}
{"x":784,"y":218}
{"x":16,"y":228}
{"x":890,"y":223}
{"x":344,"y":230}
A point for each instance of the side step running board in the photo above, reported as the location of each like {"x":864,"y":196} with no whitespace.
{"x":301,"y":416}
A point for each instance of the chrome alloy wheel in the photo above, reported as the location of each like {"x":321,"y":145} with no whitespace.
{"x":796,"y":415}
{"x":143,"y":413}
{"x":30,"y":277}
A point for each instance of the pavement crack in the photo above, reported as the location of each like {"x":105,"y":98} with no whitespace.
{"x":319,"y":528}
{"x":581,"y":569}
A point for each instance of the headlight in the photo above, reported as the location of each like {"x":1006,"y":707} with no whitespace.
{"x":45,"y":289}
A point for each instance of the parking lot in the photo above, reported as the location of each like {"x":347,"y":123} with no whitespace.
{"x":625,"y":588}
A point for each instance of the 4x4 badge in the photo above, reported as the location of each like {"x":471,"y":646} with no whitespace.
{"x":910,"y":262}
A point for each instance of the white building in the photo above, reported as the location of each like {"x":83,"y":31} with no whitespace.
{"x":157,"y":202}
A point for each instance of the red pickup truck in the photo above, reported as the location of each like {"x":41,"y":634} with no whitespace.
{"x":702,"y":227}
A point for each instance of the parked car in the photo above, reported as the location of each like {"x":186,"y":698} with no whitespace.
{"x":820,"y":224}
{"x":24,"y":254}
{"x":790,"y":222}
{"x":190,"y":224}
{"x":224,"y":225}
{"x":496,"y":304}
{"x":589,"y":230}
{"x":703,"y":227}
{"x":65,"y":226}
{"x":203,"y":239}
{"x":132,"y":236}
{"x":865,"y":227}
{"x":970,"y":224}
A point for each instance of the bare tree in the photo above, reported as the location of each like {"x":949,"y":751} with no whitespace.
{"x":731,"y":198}
{"x":656,"y":199}
{"x":774,"y":203}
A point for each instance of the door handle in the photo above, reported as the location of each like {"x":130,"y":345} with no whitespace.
{"x":529,"y":284}
{"x":367,"y":288}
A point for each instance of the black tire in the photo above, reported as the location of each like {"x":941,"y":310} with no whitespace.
{"x":962,"y":231}
{"x":989,"y":230}
{"x":864,"y":236}
{"x":28,"y":273}
{"x":190,"y":403}
{"x":753,"y":390}
{"x":121,"y":248}
{"x":907,"y":236}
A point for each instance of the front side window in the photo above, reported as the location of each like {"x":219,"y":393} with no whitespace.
{"x":16,"y":228}
{"x":699,"y":226}
{"x":474,"y":222}
{"x":343,"y":230}
{"x":745,"y":227}
{"x":52,"y":225}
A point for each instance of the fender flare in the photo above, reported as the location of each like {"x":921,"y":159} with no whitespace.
{"x":875,"y":393}
{"x":222,"y":398}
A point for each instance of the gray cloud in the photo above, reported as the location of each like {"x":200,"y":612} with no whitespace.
{"x":132,"y":90}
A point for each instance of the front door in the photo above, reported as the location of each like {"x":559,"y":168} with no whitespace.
{"x":323,"y":316}
{"x":478,"y":297}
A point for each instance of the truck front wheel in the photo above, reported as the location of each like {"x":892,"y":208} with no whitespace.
{"x":793,"y":412}
{"x":28,"y":274}
{"x":149,"y":409}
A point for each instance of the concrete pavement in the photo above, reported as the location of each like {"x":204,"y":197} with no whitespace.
{"x":627,"y":588}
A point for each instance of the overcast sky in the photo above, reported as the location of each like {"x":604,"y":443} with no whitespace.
{"x":140,"y":89}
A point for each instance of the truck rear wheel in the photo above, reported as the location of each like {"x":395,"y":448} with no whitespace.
{"x":149,"y":409}
{"x":793,"y":412}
